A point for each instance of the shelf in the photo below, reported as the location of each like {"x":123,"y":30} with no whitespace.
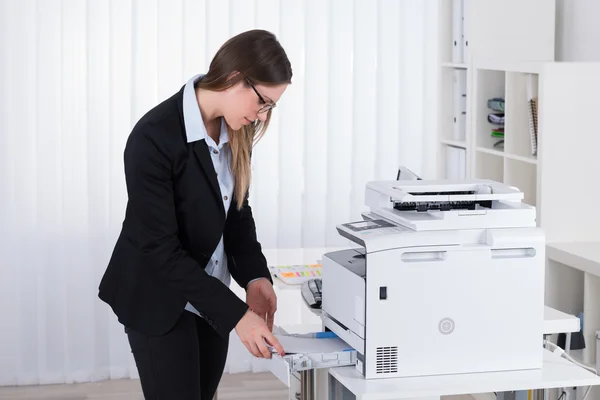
{"x":494,"y":152}
{"x":500,"y":153}
{"x":454,"y":65}
{"x":525,"y":159}
{"x":526,"y":67}
{"x":456,"y":143}
{"x":523,"y":176}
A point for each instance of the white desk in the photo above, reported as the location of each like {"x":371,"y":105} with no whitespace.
{"x":556,"y":372}
{"x":559,"y":322}
{"x":584,"y":257}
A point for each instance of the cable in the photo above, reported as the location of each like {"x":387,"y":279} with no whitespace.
{"x":561,"y":353}
{"x":586,"y":393}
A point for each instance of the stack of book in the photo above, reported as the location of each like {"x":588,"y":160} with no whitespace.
{"x":496,"y":119}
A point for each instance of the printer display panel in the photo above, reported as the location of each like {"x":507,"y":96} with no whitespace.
{"x":367,"y":225}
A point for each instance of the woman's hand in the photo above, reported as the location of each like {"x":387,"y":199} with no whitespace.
{"x":261,"y":299}
{"x":253,"y":332}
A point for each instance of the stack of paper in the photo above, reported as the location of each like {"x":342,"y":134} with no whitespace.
{"x":293,"y":344}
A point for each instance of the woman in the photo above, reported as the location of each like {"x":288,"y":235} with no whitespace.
{"x":188,"y":226}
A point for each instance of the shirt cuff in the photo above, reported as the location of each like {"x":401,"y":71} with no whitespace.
{"x":255,"y":279}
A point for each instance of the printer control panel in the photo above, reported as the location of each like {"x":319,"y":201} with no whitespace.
{"x":360,"y":231}
{"x":373,"y":228}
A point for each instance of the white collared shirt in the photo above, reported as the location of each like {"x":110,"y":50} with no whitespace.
{"x":221,"y":156}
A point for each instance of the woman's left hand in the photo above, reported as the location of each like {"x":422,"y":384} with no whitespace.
{"x":261,"y":299}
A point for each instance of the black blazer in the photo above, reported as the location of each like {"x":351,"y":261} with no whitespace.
{"x":173,"y":223}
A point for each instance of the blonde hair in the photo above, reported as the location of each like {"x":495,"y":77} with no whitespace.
{"x":257,"y":55}
{"x":241,"y":142}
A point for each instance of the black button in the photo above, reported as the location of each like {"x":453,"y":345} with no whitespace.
{"x":215,"y":151}
{"x":382,"y":292}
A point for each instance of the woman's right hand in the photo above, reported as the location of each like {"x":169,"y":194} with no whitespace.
{"x":253,"y":332}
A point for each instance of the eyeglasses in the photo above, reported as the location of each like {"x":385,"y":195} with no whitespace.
{"x":267,"y":106}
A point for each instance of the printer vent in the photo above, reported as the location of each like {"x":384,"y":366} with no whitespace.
{"x":387,"y":360}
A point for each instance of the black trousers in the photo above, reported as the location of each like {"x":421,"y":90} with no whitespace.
{"x":185,"y":364}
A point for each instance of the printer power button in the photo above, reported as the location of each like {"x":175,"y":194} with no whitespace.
{"x":446,"y":326}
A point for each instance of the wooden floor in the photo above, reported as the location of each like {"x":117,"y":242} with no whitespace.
{"x":236,"y":386}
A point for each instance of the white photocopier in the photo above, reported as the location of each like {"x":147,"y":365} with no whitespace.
{"x":447,"y":278}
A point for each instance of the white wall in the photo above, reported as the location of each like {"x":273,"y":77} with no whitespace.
{"x":577,"y":30}
{"x":75,"y":75}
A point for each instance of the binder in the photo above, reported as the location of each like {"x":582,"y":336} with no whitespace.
{"x":456,"y":163}
{"x":462,"y":164}
{"x":457,"y":31}
{"x":459,"y":104}
{"x":460,"y":127}
{"x":451,"y":162}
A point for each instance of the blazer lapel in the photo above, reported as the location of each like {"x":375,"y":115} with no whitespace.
{"x":201,"y":151}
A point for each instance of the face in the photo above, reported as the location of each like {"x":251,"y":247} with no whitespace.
{"x":247,"y":101}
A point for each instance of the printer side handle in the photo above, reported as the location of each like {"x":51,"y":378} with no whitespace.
{"x":432,"y":255}
{"x":421,"y":256}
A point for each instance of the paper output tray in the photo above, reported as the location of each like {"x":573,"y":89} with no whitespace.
{"x":292,"y":364}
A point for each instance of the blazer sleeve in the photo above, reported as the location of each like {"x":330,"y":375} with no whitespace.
{"x":242,"y":245}
{"x":148,"y":172}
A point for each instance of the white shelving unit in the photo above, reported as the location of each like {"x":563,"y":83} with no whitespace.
{"x":512,"y":159}
{"x":569,"y":159}
{"x":465,"y":146}
{"x":517,"y":64}
{"x":452,"y":145}
{"x":554,"y":178}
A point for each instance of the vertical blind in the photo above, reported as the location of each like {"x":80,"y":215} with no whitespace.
{"x":76,"y":75}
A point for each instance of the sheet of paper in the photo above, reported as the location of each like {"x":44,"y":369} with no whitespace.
{"x":293,"y":344}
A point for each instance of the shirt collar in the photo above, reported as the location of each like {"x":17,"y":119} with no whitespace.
{"x":192,"y":118}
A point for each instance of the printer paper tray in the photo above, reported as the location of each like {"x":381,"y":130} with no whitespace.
{"x":291,"y":364}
